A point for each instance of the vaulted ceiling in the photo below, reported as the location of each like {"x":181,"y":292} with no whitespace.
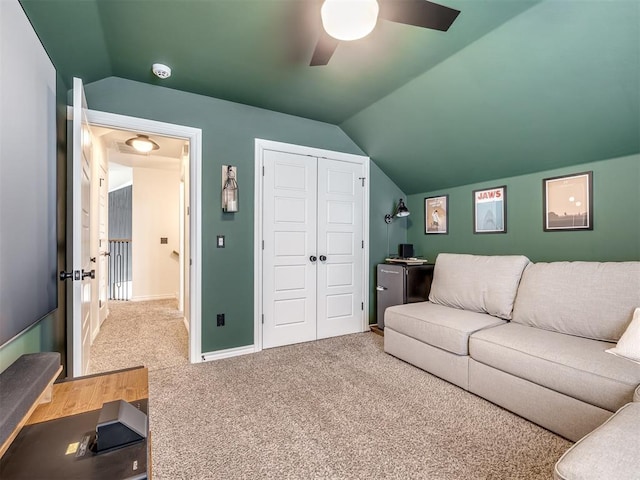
{"x":515,"y":86}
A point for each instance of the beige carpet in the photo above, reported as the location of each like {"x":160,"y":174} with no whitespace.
{"x":140,"y":333}
{"x":337,"y":409}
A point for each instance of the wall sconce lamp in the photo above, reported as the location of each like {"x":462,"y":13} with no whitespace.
{"x":401,"y":210}
{"x":229,"y":189}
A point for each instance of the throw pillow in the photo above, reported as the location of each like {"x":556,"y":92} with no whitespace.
{"x":629,"y":344}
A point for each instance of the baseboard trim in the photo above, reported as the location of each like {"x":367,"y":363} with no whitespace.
{"x":228,"y":353}
{"x":145,"y":298}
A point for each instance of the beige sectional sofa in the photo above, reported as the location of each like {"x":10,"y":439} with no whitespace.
{"x":530,"y":337}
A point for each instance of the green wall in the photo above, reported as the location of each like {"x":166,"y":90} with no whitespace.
{"x":616,"y":218}
{"x":229,"y":130}
{"x":43,"y":337}
{"x":384,"y":197}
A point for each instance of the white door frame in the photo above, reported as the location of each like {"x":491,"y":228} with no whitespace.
{"x":194,"y":136}
{"x":262,"y":145}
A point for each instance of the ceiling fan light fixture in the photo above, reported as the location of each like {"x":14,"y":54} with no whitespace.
{"x":142,"y":143}
{"x":349,"y":19}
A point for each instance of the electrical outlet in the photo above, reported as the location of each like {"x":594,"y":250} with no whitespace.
{"x":220,"y":319}
{"x":220,"y":241}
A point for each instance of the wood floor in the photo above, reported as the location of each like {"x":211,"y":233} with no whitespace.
{"x":84,"y":394}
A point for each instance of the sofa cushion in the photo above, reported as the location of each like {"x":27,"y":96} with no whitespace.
{"x":609,"y":452}
{"x":589,"y":299}
{"x":483,"y":284}
{"x":574,"y":366}
{"x":443,"y":327}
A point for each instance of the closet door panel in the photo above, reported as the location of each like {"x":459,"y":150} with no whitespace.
{"x":289,"y":232}
{"x":340,"y":236}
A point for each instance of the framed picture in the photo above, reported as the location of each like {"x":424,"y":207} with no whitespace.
{"x":490,"y":210}
{"x":436,"y":215}
{"x":568,"y":202}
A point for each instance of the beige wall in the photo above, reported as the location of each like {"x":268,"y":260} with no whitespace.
{"x":155,"y":213}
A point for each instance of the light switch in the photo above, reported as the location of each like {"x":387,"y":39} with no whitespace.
{"x":220,"y":241}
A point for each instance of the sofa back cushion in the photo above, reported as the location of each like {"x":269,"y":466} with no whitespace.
{"x":483,"y":284}
{"x":588,"y":299}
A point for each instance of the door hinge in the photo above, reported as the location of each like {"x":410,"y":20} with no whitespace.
{"x":263,"y":170}
{"x":263,"y":318}
{"x":188,"y":210}
{"x":362,"y":306}
{"x":190,"y":262}
{"x":263,"y":244}
{"x":362,"y":179}
{"x":362,"y":243}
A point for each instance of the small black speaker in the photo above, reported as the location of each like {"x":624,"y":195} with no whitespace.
{"x":405,"y":250}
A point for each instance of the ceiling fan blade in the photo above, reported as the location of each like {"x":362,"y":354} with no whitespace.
{"x":420,"y":13}
{"x":324,"y":49}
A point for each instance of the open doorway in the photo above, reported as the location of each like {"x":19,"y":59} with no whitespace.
{"x":164,"y":233}
{"x":142,"y":241}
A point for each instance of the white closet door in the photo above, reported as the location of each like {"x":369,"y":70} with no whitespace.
{"x":340,"y":237}
{"x":289,"y":233}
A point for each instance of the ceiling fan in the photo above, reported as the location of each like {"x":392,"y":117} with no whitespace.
{"x":353,"y":19}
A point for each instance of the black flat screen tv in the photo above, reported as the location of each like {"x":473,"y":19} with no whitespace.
{"x":28,"y":249}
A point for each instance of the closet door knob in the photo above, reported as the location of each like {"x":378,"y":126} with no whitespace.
{"x":323,"y":258}
{"x":312,"y":258}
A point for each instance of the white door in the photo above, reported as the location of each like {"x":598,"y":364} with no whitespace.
{"x":80,"y":208}
{"x":289,"y":233}
{"x":313,"y":231}
{"x":340,"y":248}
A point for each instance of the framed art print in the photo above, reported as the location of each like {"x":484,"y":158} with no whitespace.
{"x":490,"y":210}
{"x":568,"y":202}
{"x":436,"y":215}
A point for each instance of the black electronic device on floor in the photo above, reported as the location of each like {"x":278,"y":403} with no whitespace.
{"x":119,"y":424}
{"x":66,"y":448}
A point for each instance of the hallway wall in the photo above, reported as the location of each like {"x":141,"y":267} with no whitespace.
{"x":155,"y":215}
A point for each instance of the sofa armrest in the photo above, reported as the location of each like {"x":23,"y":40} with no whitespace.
{"x":609,"y":452}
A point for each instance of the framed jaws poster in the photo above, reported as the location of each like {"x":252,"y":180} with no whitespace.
{"x":490,"y":210}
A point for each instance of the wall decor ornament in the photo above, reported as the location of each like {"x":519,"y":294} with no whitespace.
{"x":436,"y":215}
{"x":490,"y":210}
{"x":568,"y":202}
{"x":229,"y":189}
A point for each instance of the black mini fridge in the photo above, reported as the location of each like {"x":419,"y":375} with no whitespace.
{"x":397,"y":284}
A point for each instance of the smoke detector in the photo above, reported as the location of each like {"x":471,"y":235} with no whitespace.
{"x":161,"y":71}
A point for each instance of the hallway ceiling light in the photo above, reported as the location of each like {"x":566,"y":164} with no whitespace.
{"x":142,"y":143}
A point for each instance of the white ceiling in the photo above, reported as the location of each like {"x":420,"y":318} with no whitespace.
{"x":166,"y":157}
{"x":122,"y":158}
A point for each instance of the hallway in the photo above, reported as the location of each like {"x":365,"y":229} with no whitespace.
{"x":149,"y":333}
